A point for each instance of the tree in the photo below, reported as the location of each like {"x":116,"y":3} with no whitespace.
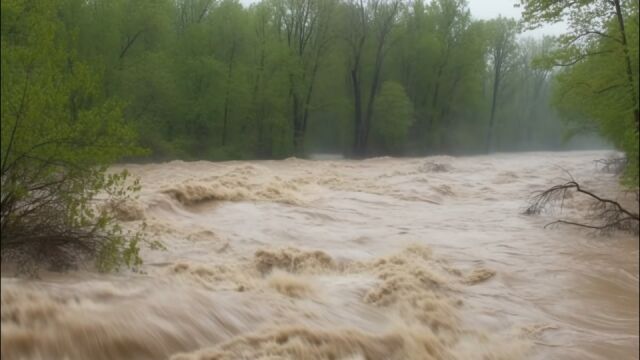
{"x":206,"y":79}
{"x":523,"y":112}
{"x":372,"y":22}
{"x":535,"y":80}
{"x":599,"y":62}
{"x":269,"y":86}
{"x":452,"y":19}
{"x":230,"y":36}
{"x":501,"y":52}
{"x":305,"y":27}
{"x":414,"y":60}
{"x":58,"y":134}
{"x":393,"y":117}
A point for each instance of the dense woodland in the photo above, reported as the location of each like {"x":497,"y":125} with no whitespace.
{"x":212,"y":79}
{"x":86,"y":83}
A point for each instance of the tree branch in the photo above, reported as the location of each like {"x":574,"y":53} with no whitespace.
{"x":612,"y":213}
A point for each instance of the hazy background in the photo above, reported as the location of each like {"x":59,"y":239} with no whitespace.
{"x":489,"y":9}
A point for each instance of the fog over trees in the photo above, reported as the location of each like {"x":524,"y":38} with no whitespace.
{"x":86,"y":83}
{"x":212,"y":79}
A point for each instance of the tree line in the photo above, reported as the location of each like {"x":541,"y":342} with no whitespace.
{"x":213,"y":80}
{"x":86,"y":83}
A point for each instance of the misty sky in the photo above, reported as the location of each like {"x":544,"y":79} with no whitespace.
{"x":488,"y":9}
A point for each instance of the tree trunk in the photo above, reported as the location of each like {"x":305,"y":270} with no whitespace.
{"x":298,"y":133}
{"x":494,"y":97}
{"x":307,"y":100}
{"x":625,"y":46}
{"x":372,"y":96}
{"x":225,"y":117}
{"x":357,"y":113}
{"x":434,"y":101}
{"x":445,"y":141}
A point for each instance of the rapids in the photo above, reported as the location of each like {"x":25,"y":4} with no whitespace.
{"x":385,"y":258}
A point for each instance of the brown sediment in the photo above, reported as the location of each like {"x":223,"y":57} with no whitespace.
{"x":127,"y":210}
{"x":364,"y":266}
{"x":444,"y":190}
{"x":214,"y":276}
{"x":308,"y":344}
{"x":292,"y":260}
{"x":418,"y":286}
{"x":238,"y":184}
{"x":290,"y":285}
{"x":479,"y":275}
{"x":436,"y":167}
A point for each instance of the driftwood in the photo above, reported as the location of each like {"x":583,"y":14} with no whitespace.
{"x":608,"y":215}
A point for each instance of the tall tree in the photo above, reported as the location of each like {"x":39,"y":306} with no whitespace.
{"x":230,"y":37}
{"x":501,"y":52}
{"x":598,"y":58}
{"x":393,"y":117}
{"x":451,"y":19}
{"x":305,"y":27}
{"x":602,"y":20}
{"x":368,"y":22}
{"x":213,"y":79}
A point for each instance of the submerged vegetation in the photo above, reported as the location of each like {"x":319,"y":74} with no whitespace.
{"x":86,"y":83}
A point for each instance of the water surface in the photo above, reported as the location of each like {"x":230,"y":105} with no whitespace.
{"x":335,"y":259}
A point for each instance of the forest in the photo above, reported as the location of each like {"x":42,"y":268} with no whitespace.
{"x":86,"y":83}
{"x":206,"y":79}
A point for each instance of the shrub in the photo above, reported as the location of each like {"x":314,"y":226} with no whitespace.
{"x":59,"y":134}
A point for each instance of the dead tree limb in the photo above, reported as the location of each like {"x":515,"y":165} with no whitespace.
{"x":608,"y":214}
{"x":612,"y":165}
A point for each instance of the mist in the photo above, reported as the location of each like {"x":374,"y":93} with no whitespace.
{"x":222,"y":80}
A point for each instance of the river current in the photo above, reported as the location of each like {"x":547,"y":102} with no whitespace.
{"x":385,"y":258}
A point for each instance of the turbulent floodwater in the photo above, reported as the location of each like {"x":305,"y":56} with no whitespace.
{"x":424,"y":258}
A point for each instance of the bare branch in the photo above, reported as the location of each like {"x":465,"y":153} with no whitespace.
{"x":582,"y":57}
{"x":611,"y":214}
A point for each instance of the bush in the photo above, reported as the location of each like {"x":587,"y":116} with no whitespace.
{"x":59,"y":134}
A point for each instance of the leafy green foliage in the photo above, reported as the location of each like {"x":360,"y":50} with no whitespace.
{"x":206,"y":79}
{"x":84,"y":81}
{"x":597,"y":86}
{"x":393,"y":118}
{"x":59,"y":132}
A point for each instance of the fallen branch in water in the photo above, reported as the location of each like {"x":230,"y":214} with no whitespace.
{"x":611,"y":214}
{"x":612,"y":165}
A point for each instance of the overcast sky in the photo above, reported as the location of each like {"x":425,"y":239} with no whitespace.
{"x":488,"y":9}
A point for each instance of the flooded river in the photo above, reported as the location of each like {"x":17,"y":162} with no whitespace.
{"x":421,"y":258}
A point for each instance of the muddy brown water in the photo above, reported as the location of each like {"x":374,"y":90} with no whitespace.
{"x":421,"y":258}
